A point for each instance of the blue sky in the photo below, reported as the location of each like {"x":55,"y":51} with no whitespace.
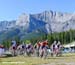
{"x":11,"y":9}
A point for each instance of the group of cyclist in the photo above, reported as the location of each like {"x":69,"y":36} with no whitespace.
{"x":40,"y":48}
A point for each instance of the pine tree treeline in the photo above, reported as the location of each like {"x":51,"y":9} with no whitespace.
{"x":64,"y":37}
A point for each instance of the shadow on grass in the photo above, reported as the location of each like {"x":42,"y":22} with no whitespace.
{"x":7,"y":56}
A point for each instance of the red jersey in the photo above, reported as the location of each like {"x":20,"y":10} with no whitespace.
{"x":45,"y":43}
{"x":1,"y":46}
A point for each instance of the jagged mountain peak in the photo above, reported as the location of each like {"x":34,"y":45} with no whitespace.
{"x":45,"y":22}
{"x":53,"y":16}
{"x":55,"y":21}
{"x":22,"y":20}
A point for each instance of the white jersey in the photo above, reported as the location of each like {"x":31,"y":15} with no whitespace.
{"x":56,"y":46}
{"x":14,"y":43}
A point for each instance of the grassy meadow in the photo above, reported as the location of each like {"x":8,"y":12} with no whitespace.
{"x":65,"y":59}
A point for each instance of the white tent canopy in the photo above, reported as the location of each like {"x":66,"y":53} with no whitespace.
{"x":70,"y":45}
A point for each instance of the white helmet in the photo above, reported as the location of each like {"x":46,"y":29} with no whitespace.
{"x":58,"y":42}
{"x":55,"y":42}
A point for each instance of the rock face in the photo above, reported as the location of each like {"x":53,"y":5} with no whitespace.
{"x":5,"y":25}
{"x":48,"y":21}
{"x":45,"y":22}
{"x":56,"y":21}
{"x":23,"y":20}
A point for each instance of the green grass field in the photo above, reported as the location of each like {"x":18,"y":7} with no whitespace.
{"x":66,"y":59}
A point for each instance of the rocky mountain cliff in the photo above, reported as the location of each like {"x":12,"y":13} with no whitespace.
{"x":45,"y":22}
